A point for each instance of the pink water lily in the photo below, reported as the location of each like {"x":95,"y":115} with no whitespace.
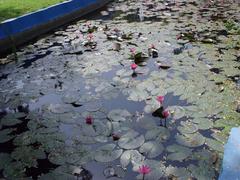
{"x":144,"y":169}
{"x":134,"y":66}
{"x":90,"y":36}
{"x":89,"y":120}
{"x":133,"y":50}
{"x":165,"y":113}
{"x":160,"y":99}
{"x":152,"y":46}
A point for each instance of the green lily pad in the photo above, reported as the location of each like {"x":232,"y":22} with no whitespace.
{"x":119,"y":115}
{"x":131,"y":140}
{"x":151,"y":106}
{"x":5,"y":160}
{"x":180,"y":173}
{"x":58,"y":108}
{"x":190,"y":140}
{"x":215,"y":145}
{"x":131,"y":156}
{"x":151,"y":149}
{"x":14,"y":170}
{"x":108,"y":153}
{"x":203,"y":123}
{"x":28,"y":156}
{"x":160,"y":134}
{"x":187,"y":127}
{"x":177,"y":111}
{"x":5,"y":135}
{"x":178,"y":153}
{"x":12,"y":119}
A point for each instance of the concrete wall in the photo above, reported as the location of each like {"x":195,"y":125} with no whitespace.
{"x":15,"y":32}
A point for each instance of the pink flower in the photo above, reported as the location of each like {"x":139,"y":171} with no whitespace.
{"x":134,"y":66}
{"x":152,"y":46}
{"x":89,"y":120}
{"x":90,"y":36}
{"x":144,"y":169}
{"x":165,"y":113}
{"x":133,"y":50}
{"x":160,"y":99}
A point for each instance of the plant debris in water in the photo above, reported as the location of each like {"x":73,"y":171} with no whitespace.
{"x":95,"y":97}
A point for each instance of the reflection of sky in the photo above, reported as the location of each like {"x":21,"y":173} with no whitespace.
{"x":231,"y":159}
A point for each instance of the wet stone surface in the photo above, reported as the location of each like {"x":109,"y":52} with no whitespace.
{"x":152,"y":83}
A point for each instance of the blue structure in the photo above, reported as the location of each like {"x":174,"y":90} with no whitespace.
{"x":231,"y":159}
{"x":24,"y":28}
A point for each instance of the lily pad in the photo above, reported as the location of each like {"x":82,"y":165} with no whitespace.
{"x":203,"y":123}
{"x":215,"y":145}
{"x":131,"y":140}
{"x":131,"y":156}
{"x":5,"y":160}
{"x":178,"y":153}
{"x":151,"y":149}
{"x":187,"y":127}
{"x":177,"y":111}
{"x":5,"y":135}
{"x":119,"y":115}
{"x":108,"y":153}
{"x":160,"y":134}
{"x":12,"y":119}
{"x":190,"y":140}
{"x":180,"y":173}
{"x":28,"y":156}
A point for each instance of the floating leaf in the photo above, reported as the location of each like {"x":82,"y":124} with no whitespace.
{"x":5,"y":135}
{"x":131,"y":140}
{"x":107,"y":153}
{"x":152,"y":105}
{"x":118,"y":115}
{"x":215,"y":145}
{"x":151,"y":149}
{"x":5,"y":160}
{"x":160,"y":134}
{"x":177,"y":111}
{"x":203,"y":123}
{"x":180,"y":173}
{"x":12,"y":119}
{"x":190,"y":140}
{"x":178,"y":153}
{"x":131,"y":156}
{"x":28,"y":156}
{"x":59,"y":108}
{"x":187,"y":127}
{"x":14,"y":170}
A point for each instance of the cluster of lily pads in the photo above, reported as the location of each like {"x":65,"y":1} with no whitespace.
{"x":78,"y":97}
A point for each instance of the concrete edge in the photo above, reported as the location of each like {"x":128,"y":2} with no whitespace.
{"x":9,"y":43}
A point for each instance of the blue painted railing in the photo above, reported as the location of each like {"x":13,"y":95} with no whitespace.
{"x":17,"y":25}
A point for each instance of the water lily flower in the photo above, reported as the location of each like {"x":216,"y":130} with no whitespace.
{"x":90,"y":37}
{"x":134,"y":66}
{"x":152,"y":46}
{"x":160,"y":99}
{"x":144,"y":169}
{"x":165,"y":113}
{"x":133,"y":51}
{"x":89,"y":120}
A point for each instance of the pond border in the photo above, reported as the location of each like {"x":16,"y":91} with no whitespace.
{"x":17,"y":31}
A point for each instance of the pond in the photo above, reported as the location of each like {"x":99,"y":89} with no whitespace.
{"x":139,"y":90}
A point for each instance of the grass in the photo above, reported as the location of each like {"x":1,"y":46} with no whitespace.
{"x":14,"y":8}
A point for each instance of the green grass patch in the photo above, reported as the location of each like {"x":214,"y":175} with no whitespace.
{"x":14,"y":8}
